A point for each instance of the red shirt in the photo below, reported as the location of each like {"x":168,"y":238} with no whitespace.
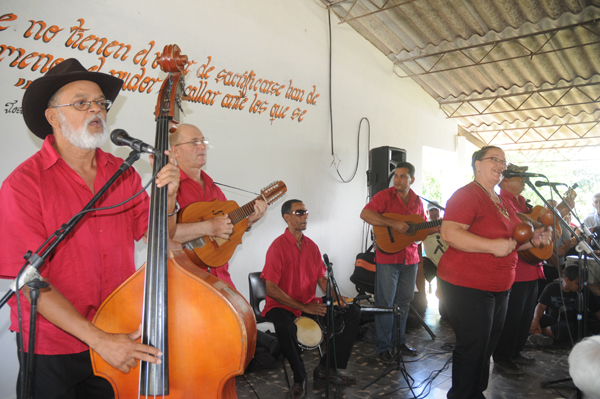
{"x":524,"y":270}
{"x":190,"y":192}
{"x":294,"y":270}
{"x":388,"y":201}
{"x":472,"y":206}
{"x":35,"y":200}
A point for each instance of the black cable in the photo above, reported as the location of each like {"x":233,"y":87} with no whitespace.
{"x":331,"y":113}
{"x":248,"y":382}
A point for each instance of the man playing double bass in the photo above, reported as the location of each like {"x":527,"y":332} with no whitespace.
{"x":189,"y":147}
{"x":67,"y":109}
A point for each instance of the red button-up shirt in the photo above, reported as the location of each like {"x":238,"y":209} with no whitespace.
{"x":35,"y":200}
{"x":294,"y":269}
{"x":388,"y":201}
{"x":190,"y":192}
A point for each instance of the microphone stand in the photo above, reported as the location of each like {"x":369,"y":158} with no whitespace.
{"x":30,"y":277}
{"x":581,"y":247}
{"x":329,"y":335}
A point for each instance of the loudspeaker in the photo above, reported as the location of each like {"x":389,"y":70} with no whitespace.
{"x":382,"y":164}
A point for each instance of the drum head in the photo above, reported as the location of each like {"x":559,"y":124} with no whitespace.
{"x":309,"y":333}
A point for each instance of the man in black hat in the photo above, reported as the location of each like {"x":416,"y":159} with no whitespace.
{"x":67,"y":108}
{"x":524,"y":291}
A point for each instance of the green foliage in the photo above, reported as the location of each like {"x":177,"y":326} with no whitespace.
{"x":431,"y":187}
{"x":583,"y":173}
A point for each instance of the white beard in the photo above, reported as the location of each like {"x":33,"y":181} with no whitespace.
{"x":81,"y":137}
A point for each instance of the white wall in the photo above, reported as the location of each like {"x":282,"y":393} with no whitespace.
{"x":279,"y":40}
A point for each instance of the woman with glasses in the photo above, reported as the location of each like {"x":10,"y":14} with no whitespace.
{"x":478,"y":269}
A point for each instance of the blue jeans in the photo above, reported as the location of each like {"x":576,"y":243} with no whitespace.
{"x":394,"y":285}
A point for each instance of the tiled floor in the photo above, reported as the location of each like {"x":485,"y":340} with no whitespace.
{"x":428,"y":374}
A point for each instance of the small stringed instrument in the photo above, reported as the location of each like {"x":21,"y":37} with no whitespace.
{"x":208,"y":251}
{"x":535,"y":255}
{"x":390,"y":241}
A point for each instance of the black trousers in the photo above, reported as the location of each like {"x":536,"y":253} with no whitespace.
{"x":519,"y":314}
{"x":477,"y":318}
{"x":286,"y":332}
{"x":67,"y":377}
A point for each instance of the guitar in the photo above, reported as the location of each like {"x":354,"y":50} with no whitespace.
{"x":535,"y":255}
{"x":208,"y":251}
{"x":390,"y":241}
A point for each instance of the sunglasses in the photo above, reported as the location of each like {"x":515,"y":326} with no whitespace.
{"x":300,"y":212}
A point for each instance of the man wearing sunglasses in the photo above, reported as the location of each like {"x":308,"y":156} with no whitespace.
{"x":190,"y":146}
{"x":293,"y":267}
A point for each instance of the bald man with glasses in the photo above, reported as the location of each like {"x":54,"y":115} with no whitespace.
{"x":190,"y":147}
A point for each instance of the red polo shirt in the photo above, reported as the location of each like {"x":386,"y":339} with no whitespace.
{"x":295,"y":270}
{"x":190,"y":192}
{"x":35,"y":200}
{"x":388,"y":201}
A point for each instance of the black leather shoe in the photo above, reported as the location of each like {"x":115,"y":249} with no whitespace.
{"x":509,"y":367}
{"x":335,"y":378}
{"x":298,"y":390}
{"x":385,"y":357}
{"x":407,"y":350}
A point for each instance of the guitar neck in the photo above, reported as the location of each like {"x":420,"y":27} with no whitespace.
{"x":242,"y":212}
{"x":426,"y":225}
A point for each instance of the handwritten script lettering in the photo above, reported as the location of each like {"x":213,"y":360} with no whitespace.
{"x":232,"y":90}
{"x":11,"y":108}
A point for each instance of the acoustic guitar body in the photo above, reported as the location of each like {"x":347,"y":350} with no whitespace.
{"x":390,"y":241}
{"x":210,"y":251}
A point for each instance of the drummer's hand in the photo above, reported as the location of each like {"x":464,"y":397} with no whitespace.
{"x":320,"y":309}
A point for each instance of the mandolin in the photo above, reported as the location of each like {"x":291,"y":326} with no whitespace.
{"x":535,"y":255}
{"x":390,"y":241}
{"x":208,"y":251}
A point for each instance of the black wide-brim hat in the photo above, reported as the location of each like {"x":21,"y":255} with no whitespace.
{"x":39,"y":92}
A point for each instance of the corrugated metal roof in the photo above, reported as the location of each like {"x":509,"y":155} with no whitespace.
{"x":520,"y":74}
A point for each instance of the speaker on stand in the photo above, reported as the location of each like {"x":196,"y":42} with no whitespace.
{"x":382,"y":164}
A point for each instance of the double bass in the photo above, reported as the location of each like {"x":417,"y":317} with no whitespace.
{"x":205,"y":329}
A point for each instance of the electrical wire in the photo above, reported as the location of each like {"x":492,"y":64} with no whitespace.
{"x":336,"y":161}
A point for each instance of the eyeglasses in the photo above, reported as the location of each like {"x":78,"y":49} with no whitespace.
{"x":300,"y":212}
{"x":497,"y":160}
{"x":196,"y":143}
{"x":85,"y":105}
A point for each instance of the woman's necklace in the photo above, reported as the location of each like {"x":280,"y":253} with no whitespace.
{"x":502,"y":210}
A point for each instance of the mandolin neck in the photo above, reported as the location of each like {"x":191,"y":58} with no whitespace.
{"x":242,"y":212}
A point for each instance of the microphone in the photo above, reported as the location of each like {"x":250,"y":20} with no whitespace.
{"x":121,"y":138}
{"x":543,"y":184}
{"x":326,"y":259}
{"x":509,"y":173}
